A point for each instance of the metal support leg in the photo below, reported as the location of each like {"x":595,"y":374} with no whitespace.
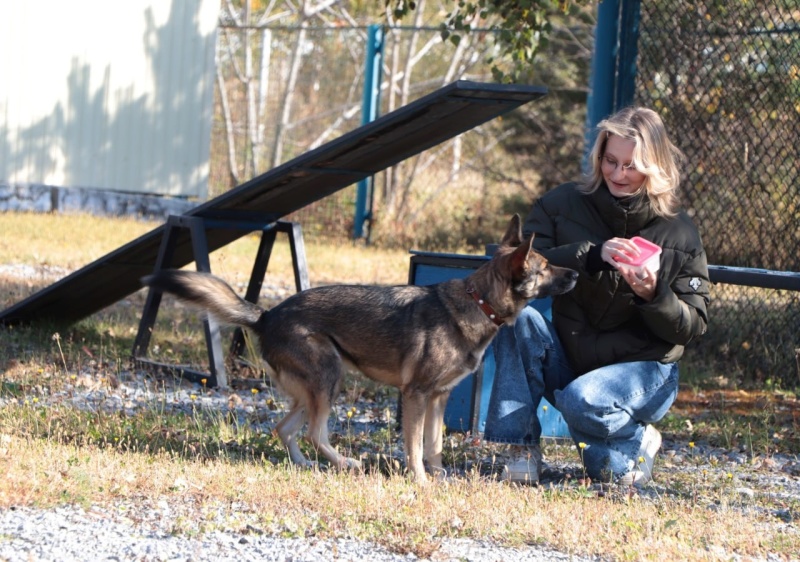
{"x":216,"y":377}
{"x":299,"y":265}
{"x":216,"y":359}
{"x":298,"y":248}
{"x":197,"y":229}
{"x":150,"y":311}
{"x":255,"y":284}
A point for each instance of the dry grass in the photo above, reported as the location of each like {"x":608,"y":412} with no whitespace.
{"x":389,"y":510}
{"x":234,"y":477}
{"x":72,"y":241}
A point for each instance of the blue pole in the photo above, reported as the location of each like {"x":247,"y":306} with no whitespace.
{"x":600,"y":103}
{"x":369,"y":111}
{"x":628,"y":49}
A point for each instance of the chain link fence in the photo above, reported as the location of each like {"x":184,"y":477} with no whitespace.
{"x":282,"y":91}
{"x":726,"y":78}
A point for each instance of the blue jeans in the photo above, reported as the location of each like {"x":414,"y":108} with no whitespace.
{"x":606,"y":409}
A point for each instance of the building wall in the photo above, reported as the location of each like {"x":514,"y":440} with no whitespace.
{"x":108,"y":95}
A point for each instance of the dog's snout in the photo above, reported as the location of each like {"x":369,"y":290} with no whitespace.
{"x":569,"y":278}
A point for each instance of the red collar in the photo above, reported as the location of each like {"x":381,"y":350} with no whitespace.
{"x":485,"y":307}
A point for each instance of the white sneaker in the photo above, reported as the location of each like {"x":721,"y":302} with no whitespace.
{"x":643,"y":473}
{"x":525,"y":467}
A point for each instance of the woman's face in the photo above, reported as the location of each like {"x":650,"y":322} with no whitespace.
{"x":621,"y":177}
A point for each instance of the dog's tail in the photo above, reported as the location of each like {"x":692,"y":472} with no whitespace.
{"x":207,"y":292}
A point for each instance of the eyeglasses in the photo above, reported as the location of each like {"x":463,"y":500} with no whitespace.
{"x":611,"y":164}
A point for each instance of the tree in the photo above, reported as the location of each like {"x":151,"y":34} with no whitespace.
{"x":280,"y":96}
{"x":521,"y":28}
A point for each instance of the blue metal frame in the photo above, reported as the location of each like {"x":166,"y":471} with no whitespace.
{"x":373,"y":73}
{"x":613,"y":76}
{"x":628,"y":50}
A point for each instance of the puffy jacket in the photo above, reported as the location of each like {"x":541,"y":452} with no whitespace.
{"x":601,"y":321}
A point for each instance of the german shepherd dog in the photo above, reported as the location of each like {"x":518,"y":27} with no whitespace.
{"x":422,"y":340}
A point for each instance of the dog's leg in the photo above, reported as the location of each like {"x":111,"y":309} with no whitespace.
{"x":291,"y":424}
{"x":318,"y":413}
{"x":413,"y":431}
{"x":287,"y":430}
{"x":434,"y":424}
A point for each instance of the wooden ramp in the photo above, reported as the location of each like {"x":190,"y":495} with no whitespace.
{"x":424,"y":123}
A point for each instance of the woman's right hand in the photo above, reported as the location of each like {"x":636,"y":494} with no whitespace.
{"x":642,"y":283}
{"x":618,"y":249}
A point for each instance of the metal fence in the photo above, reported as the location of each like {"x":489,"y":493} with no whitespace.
{"x":726,"y":78}
{"x":282,"y":91}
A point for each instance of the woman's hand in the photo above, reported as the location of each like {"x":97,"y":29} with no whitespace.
{"x":619,"y":249}
{"x":643,"y":283}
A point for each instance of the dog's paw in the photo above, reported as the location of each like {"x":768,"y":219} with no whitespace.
{"x":439,"y":474}
{"x":350,"y":464}
{"x":302,"y":462}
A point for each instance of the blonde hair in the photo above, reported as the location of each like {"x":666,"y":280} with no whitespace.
{"x":654,"y":155}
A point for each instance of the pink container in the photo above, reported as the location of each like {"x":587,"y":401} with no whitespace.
{"x":648,"y":258}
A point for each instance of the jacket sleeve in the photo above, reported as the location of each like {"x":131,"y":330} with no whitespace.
{"x":679,"y":313}
{"x":541,"y":222}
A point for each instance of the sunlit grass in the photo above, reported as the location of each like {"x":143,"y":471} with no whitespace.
{"x":72,"y":241}
{"x":126,"y":459}
{"x":218,"y":457}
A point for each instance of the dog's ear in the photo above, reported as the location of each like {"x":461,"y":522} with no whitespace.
{"x":519,"y":258}
{"x":513,"y":235}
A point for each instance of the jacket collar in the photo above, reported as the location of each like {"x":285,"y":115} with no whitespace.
{"x":623,"y":216}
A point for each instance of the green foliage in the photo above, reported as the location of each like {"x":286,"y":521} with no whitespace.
{"x":521,"y":28}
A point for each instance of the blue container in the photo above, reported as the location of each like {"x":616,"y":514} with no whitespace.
{"x":469,"y":401}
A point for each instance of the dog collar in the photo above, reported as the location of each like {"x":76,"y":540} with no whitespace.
{"x":485,"y":307}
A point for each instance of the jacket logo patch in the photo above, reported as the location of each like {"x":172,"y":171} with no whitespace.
{"x":695,"y":283}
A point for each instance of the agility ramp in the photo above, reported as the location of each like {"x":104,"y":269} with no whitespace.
{"x":390,"y":139}
{"x":260,"y":203}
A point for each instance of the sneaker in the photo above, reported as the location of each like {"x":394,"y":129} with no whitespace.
{"x":643,"y":473}
{"x":525,"y":467}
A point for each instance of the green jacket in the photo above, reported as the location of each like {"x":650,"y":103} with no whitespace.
{"x":601,"y":321}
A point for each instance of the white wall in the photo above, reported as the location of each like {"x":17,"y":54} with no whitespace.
{"x":107,"y":94}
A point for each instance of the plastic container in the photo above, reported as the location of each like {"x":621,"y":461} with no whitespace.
{"x":648,"y":259}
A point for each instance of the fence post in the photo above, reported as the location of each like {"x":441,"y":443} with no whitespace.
{"x":613,"y":76}
{"x":600,"y":103}
{"x":369,"y":111}
{"x":628,"y":48}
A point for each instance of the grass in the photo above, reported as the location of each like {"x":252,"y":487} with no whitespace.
{"x":72,"y":241}
{"x":225,"y":462}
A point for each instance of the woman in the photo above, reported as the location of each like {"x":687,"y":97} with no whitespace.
{"x":608,"y":361}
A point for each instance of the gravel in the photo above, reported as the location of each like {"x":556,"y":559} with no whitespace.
{"x":71,"y":533}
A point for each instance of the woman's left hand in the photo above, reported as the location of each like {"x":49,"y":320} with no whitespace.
{"x":643,"y":283}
